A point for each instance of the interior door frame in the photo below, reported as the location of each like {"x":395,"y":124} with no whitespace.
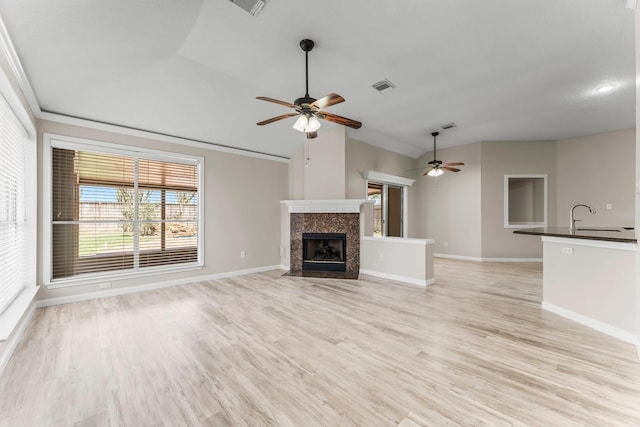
{"x":395,"y":181}
{"x":403,"y":209}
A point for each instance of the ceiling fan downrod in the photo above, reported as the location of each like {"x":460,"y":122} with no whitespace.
{"x":306,"y":46}
{"x":434,"y":134}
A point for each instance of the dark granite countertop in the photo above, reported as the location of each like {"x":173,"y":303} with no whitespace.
{"x":590,"y":233}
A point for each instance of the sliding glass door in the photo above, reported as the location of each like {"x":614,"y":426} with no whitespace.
{"x":387,"y":209}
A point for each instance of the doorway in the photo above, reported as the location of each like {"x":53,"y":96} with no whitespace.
{"x":387,"y":209}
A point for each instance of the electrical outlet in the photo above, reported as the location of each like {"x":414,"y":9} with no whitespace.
{"x":446,"y":244}
{"x":567,"y":251}
{"x":609,"y":206}
{"x":242,"y":254}
{"x":105,"y":285}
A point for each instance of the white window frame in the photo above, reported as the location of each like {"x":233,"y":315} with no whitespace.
{"x":51,"y":141}
{"x":10,"y":317}
{"x":396,"y":181}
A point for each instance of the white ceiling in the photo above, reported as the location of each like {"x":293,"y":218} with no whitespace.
{"x":500,"y":69}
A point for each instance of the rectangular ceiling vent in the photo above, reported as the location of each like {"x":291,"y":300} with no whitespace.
{"x":252,"y":6}
{"x":448,"y":126}
{"x":383,"y":85}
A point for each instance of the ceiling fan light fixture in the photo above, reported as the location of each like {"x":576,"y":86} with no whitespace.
{"x":314,"y":124}
{"x":435,"y":172}
{"x":307,"y":123}
{"x":302,"y":123}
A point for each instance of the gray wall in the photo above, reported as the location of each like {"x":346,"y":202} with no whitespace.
{"x":296,"y":175}
{"x":596,"y":170}
{"x":241,"y":212}
{"x":449,"y":206}
{"x":324,"y":169}
{"x":364,"y":157}
{"x":317,"y":168}
{"x":513,"y":157}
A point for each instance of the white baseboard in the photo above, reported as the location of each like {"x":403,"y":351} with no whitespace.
{"x":11,"y":316}
{"x":285,"y":267}
{"x":238,"y":273}
{"x":9,"y":346}
{"x":157,"y":285}
{"x":404,"y":279}
{"x":479,"y":259}
{"x":461,"y":257}
{"x":621,"y":334}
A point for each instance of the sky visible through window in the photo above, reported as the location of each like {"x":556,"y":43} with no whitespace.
{"x":94,"y":193}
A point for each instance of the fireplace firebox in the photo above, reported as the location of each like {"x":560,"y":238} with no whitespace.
{"x":324,"y":251}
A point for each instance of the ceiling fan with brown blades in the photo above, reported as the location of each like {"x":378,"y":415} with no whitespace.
{"x":308,"y":109}
{"x":437,"y":167}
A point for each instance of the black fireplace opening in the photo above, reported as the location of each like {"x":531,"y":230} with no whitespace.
{"x":324,"y":251}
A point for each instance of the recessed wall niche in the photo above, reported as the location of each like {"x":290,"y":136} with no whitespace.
{"x":525,"y":201}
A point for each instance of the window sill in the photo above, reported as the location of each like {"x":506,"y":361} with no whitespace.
{"x":93,"y":279}
{"x":10,"y":318}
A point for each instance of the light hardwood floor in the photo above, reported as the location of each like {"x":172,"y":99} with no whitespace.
{"x":473,"y":349}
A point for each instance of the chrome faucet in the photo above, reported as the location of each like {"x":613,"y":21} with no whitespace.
{"x":572,"y":221}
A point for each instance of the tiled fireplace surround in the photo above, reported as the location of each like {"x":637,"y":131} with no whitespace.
{"x":312,"y":217}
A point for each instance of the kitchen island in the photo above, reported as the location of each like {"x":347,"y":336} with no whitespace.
{"x":589,"y":276}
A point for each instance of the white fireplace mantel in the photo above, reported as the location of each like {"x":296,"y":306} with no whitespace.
{"x":325,"y":206}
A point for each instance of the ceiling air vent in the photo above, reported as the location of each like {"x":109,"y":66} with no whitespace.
{"x":449,"y":125}
{"x":383,"y":85}
{"x":252,"y":6}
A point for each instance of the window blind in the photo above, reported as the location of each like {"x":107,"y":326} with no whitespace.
{"x":13,"y":276}
{"x":115,"y":212}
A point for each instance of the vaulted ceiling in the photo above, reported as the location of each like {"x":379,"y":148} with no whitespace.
{"x":499,"y":69}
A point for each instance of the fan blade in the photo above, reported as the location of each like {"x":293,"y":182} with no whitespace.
{"x":417,"y":169}
{"x":453,"y":164}
{"x":311,"y":135}
{"x":275,"y":119}
{"x":339,"y":119}
{"x":327,"y":101}
{"x":276,"y":101}
{"x":450,"y":169}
